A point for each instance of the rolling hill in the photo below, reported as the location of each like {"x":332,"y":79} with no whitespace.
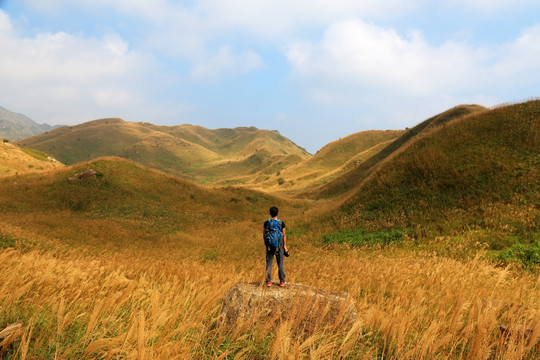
{"x":476,"y":172}
{"x":362,"y":170}
{"x":260,"y":159}
{"x":17,"y":160}
{"x":15,"y":126}
{"x":136,"y":263}
{"x":330,"y":162}
{"x":192,"y":152}
{"x":125,"y":201}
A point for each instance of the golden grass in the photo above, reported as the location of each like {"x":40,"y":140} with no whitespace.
{"x":13,"y":160}
{"x":144,"y":302}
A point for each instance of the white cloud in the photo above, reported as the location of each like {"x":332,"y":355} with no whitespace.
{"x":111,"y":97}
{"x":520,"y":60}
{"x":54,"y":73}
{"x":180,"y":27}
{"x":226,"y":63}
{"x":276,"y":19}
{"x":61,"y":56}
{"x":357,"y":57}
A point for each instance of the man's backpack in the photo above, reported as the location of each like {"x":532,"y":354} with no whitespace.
{"x":273,"y":233}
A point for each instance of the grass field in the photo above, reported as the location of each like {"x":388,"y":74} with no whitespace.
{"x":162,"y":300}
{"x":134,"y":263}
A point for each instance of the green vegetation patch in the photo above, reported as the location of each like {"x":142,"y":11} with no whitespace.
{"x":35,"y":153}
{"x":7,"y":241}
{"x":362,"y":237}
{"x":526,"y":255}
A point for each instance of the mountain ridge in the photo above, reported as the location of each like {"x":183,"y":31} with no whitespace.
{"x":189,"y":151}
{"x":15,"y":126}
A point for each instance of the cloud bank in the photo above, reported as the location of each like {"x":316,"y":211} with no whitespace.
{"x":359,"y":55}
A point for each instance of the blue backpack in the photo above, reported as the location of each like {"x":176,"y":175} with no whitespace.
{"x":273,"y":233}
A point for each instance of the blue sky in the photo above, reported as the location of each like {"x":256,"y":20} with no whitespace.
{"x":314,"y":70}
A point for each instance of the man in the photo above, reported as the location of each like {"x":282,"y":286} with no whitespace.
{"x":273,"y":228}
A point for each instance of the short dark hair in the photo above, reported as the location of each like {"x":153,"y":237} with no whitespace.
{"x":274,"y":211}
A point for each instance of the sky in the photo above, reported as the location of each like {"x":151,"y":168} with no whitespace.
{"x":314,"y":70}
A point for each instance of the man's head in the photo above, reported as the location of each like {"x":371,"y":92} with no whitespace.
{"x":274,"y":211}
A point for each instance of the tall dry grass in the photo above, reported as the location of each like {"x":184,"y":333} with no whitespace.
{"x":144,"y":302}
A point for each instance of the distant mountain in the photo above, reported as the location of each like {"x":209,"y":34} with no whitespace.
{"x":192,"y":152}
{"x":15,"y":126}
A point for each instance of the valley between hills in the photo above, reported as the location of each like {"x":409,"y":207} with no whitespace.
{"x":432,"y":230}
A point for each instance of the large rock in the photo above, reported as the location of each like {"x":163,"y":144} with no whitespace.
{"x":308,"y":308}
{"x":90,"y":173}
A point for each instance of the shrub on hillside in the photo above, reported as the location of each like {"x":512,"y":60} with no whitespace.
{"x":526,"y":255}
{"x":7,"y":241}
{"x":362,"y":237}
{"x":36,"y":154}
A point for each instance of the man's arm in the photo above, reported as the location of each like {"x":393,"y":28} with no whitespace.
{"x":285,"y":240}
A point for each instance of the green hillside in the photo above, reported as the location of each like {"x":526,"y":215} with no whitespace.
{"x":192,"y":152}
{"x":240,"y":141}
{"x":355,"y":177}
{"x":480,"y":172}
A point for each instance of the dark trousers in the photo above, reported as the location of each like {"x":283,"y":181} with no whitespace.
{"x":270,"y":253}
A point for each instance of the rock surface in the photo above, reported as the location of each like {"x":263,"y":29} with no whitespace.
{"x":308,"y":308}
{"x":90,"y":173}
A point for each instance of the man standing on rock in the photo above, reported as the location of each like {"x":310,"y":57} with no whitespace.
{"x":275,"y":240}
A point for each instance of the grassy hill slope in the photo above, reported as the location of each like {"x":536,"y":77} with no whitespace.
{"x":124,"y":201}
{"x":354,"y":178}
{"x":478,"y":172}
{"x":17,"y":160}
{"x":111,"y":137}
{"x":192,"y":152}
{"x":331,"y":161}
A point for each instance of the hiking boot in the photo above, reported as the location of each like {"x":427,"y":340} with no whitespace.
{"x":282,"y":283}
{"x":268,"y":283}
